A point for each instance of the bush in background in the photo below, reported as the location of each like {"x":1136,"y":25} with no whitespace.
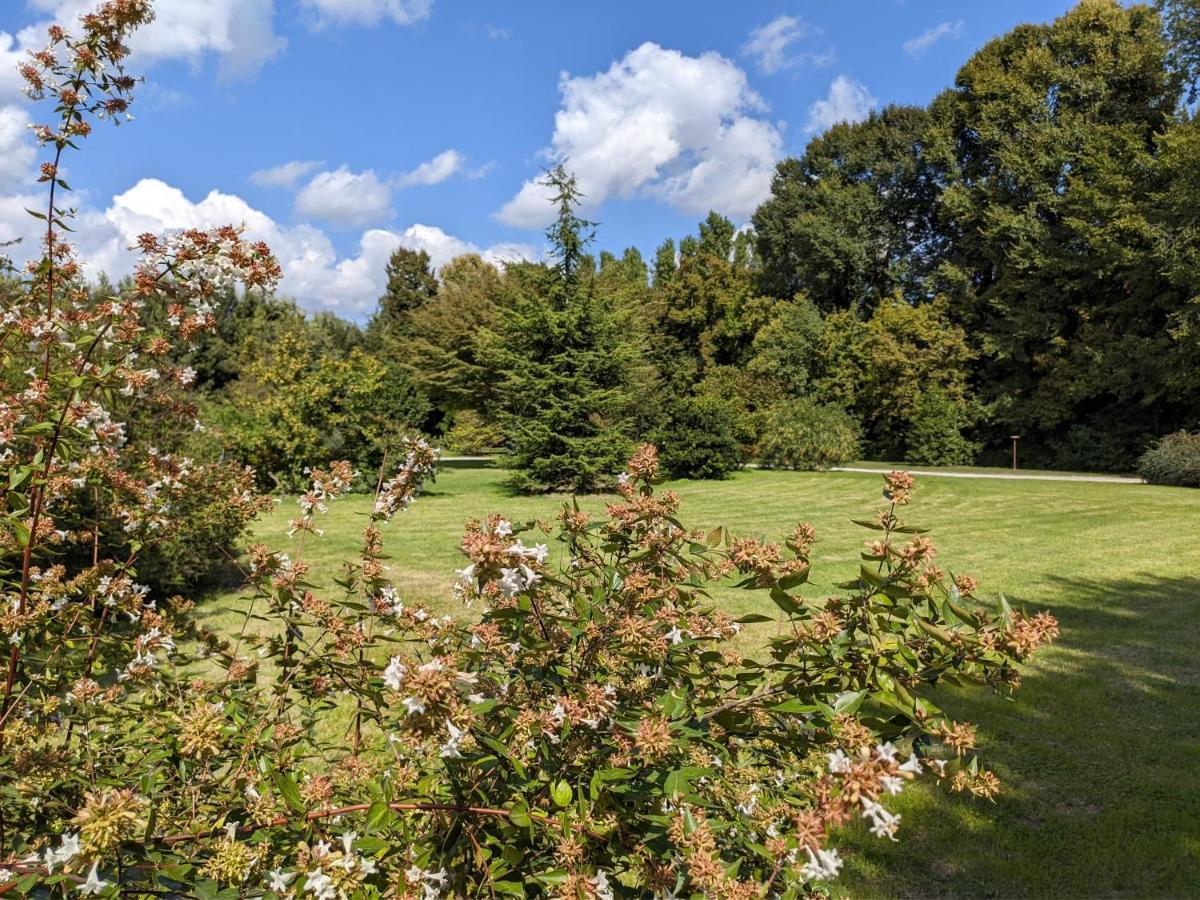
{"x":804,"y":434}
{"x":698,"y":439}
{"x":472,"y":435}
{"x":1174,"y":459}
{"x":935,"y":432}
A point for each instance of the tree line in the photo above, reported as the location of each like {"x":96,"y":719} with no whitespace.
{"x":1017,"y":257}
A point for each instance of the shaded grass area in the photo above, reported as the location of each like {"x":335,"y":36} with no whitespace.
{"x":1099,"y":751}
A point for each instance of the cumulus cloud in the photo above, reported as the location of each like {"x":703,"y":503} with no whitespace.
{"x":848,"y":100}
{"x":369,"y":12}
{"x":435,"y":171}
{"x":314,"y":273}
{"x":240,"y":32}
{"x":287,"y":175}
{"x":345,"y":198}
{"x":16,"y":150}
{"x":769,"y":44}
{"x":917,"y":46}
{"x":661,"y":124}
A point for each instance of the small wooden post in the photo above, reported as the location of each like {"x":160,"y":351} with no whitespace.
{"x":1015,"y":438}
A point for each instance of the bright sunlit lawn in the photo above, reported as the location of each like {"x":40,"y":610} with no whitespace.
{"x":1100,"y":749}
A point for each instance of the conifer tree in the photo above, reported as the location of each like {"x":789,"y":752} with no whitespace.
{"x":567,"y":396}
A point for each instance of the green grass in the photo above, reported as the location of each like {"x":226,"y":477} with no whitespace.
{"x":1099,"y":751}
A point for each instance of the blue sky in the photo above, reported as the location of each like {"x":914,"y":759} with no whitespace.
{"x":337,"y":129}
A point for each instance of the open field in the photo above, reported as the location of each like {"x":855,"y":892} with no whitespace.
{"x":1099,"y":749}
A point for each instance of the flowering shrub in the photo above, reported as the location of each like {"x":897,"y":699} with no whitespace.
{"x":592,"y":729}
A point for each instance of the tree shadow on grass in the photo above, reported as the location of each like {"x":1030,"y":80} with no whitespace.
{"x":1098,"y":753}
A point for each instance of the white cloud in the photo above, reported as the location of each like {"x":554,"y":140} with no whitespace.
{"x":659,"y":123}
{"x":240,"y":32}
{"x":313,"y":271}
{"x":287,"y":175}
{"x":345,"y":198}
{"x":435,"y":171}
{"x":917,"y":46}
{"x":16,"y":150}
{"x":768,"y":45}
{"x":369,"y":12}
{"x":848,"y":101}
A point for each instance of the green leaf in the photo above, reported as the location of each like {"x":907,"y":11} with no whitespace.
{"x":518,"y":814}
{"x":561,"y":793}
{"x":289,"y":790}
{"x":377,"y":816}
{"x":784,"y":601}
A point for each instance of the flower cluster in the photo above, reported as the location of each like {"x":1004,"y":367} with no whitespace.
{"x":590,"y":727}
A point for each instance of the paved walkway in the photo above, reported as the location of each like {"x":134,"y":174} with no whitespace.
{"x":1003,"y":476}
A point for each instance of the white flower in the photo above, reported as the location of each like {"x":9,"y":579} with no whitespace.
{"x":450,"y":748}
{"x":393,"y":675}
{"x":893,"y":784}
{"x":912,"y":767}
{"x":320,"y":884}
{"x":822,"y":865}
{"x":675,"y":636}
{"x":604,"y":890}
{"x":280,"y":880}
{"x":511,"y":582}
{"x":884,"y":823}
{"x":93,"y":885}
{"x":467,"y":575}
{"x":67,"y":850}
{"x":839,"y":762}
{"x":503,"y":528}
{"x":886,"y":751}
{"x":413,"y":705}
{"x":348,"y":842}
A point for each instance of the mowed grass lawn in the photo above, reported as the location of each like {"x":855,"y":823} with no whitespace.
{"x":1099,"y":751}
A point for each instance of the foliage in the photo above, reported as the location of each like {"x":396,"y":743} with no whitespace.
{"x":444,"y":345}
{"x":786,"y":350}
{"x":805,"y":434}
{"x":1174,"y":459}
{"x":704,"y":312}
{"x":291,"y":406}
{"x":884,"y":368}
{"x":472,"y":435}
{"x":699,"y":439}
{"x":141,"y":754}
{"x":567,"y":398}
{"x":1181,"y":22}
{"x":854,"y":220}
{"x":935,"y":434}
{"x":411,"y":284}
{"x":1048,"y":148}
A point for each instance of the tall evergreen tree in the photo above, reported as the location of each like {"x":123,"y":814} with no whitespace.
{"x":411,"y":284}
{"x":568,"y":396}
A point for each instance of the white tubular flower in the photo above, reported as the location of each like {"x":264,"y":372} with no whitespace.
{"x":94,"y":884}
{"x":912,"y":767}
{"x":393,"y":675}
{"x":279,"y":880}
{"x":823,"y":865}
{"x":839,"y":762}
